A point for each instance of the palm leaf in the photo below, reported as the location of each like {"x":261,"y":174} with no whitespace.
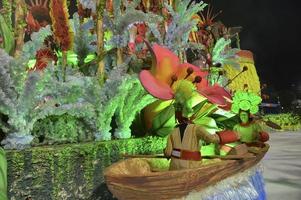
{"x":6,"y":33}
{"x":219,"y":48}
{"x":164,"y":121}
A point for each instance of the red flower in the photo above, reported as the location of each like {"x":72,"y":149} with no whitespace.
{"x":43,"y":57}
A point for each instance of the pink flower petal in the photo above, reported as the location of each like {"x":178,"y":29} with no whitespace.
{"x":155,"y":87}
{"x":165,"y":63}
{"x":216,"y":94}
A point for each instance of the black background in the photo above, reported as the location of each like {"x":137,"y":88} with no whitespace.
{"x":271,"y":30}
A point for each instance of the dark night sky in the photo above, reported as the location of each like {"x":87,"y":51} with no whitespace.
{"x":271,"y":30}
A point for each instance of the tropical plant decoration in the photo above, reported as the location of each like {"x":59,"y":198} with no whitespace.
{"x":60,"y":24}
{"x":246,"y":101}
{"x":6,"y":36}
{"x":222,"y":53}
{"x":61,"y":28}
{"x":181,"y":24}
{"x":185,"y":85}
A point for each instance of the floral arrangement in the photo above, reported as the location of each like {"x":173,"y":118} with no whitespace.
{"x":115,"y":70}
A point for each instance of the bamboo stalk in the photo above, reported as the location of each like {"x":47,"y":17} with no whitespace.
{"x":100,"y":6}
{"x":64,"y":64}
{"x":19,"y":30}
{"x":119,"y":56}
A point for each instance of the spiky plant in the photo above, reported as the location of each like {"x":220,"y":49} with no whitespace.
{"x":29,"y":97}
{"x":225,"y":55}
{"x":82,"y":41}
{"x":123,"y":21}
{"x":61,"y":28}
{"x":176,"y":38}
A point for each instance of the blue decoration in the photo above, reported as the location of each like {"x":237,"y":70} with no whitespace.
{"x":248,"y":185}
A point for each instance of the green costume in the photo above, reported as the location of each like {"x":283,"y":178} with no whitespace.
{"x":248,"y":133}
{"x":3,"y":175}
{"x":244,"y":104}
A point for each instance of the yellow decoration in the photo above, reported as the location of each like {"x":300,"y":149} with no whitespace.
{"x":249,"y":77}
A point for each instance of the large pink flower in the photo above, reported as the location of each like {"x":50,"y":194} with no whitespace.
{"x":166,"y":70}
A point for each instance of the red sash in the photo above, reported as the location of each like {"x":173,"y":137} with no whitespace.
{"x":186,"y":155}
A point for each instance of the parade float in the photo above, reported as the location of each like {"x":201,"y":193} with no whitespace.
{"x":83,"y":83}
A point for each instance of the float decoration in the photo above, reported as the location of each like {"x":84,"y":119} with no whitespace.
{"x":64,"y":102}
{"x":245,"y":101}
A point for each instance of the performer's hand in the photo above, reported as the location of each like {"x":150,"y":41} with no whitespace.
{"x":263,"y":136}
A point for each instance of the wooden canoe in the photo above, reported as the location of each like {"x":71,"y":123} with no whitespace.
{"x":140,"y":178}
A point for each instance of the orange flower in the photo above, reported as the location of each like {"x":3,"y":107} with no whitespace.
{"x":166,"y":70}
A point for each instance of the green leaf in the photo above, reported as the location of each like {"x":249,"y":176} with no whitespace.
{"x":199,"y":106}
{"x":3,"y":175}
{"x":165,"y":120}
{"x":219,"y":48}
{"x":7,"y":34}
{"x":205,"y":112}
{"x":228,"y":123}
{"x":165,"y":131}
{"x":208,"y":123}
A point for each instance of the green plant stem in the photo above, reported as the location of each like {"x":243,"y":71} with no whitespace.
{"x":64,"y":64}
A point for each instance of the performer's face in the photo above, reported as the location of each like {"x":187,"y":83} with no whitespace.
{"x":244,"y":117}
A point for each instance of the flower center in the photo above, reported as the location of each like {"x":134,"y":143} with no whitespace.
{"x":189,"y":72}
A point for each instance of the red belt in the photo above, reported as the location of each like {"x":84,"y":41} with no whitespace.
{"x":186,"y":155}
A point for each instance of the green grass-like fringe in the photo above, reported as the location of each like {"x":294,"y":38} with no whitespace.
{"x":70,"y":171}
{"x":287,"y":121}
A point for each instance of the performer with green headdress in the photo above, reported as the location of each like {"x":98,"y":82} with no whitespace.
{"x":251,"y":133}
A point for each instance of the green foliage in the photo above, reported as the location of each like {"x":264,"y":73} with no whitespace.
{"x":82,"y":41}
{"x":207,"y":123}
{"x":40,"y":95}
{"x":287,"y":121}
{"x":176,"y":38}
{"x":164,"y":122}
{"x":63,"y":128}
{"x":124,"y":19}
{"x":219,"y":47}
{"x":7,"y":12}
{"x":71,"y":171}
{"x":36,"y":42}
{"x":135,"y":100}
{"x":7,"y":35}
{"x":216,"y":76}
{"x":126,"y":98}
{"x":7,"y":93}
{"x":222,"y":53}
{"x":225,"y":122}
{"x":3,"y":175}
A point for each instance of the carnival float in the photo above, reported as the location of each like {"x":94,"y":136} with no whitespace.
{"x":86,"y":84}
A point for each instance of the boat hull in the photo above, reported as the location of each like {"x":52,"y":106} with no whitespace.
{"x":127,"y":184}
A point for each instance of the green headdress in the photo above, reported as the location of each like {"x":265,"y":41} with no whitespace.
{"x":245,"y":101}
